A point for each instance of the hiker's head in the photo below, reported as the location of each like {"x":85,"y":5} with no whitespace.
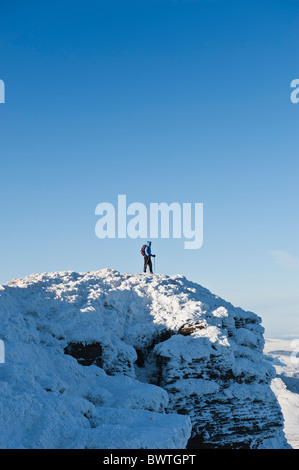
{"x":149,"y":242}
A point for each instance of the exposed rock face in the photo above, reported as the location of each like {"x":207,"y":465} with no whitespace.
{"x":86,"y":354}
{"x":143,"y":346}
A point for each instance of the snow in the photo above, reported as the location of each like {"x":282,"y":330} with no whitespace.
{"x":282,"y":353}
{"x":49,"y":400}
{"x":195,"y":347}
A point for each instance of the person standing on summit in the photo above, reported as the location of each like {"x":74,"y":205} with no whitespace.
{"x":147,"y":257}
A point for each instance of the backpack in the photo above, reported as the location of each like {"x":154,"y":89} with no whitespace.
{"x":143,"y":250}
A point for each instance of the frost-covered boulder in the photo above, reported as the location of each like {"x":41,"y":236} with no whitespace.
{"x":110,"y":360}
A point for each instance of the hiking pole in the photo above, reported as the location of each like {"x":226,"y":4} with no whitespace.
{"x":154,"y":264}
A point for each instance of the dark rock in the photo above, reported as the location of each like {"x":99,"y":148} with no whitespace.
{"x":86,"y":354}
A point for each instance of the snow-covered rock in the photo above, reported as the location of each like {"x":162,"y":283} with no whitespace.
{"x":110,"y":360}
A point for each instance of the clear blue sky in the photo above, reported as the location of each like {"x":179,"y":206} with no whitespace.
{"x":185,"y":101}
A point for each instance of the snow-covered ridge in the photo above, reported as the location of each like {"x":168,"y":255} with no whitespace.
{"x":110,"y":360}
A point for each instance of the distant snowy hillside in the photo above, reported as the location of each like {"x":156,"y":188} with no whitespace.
{"x":283,"y":354}
{"x":110,"y":360}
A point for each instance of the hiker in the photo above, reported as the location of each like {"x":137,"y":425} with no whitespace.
{"x":147,"y":254}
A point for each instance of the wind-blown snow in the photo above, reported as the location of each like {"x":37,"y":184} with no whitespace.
{"x":171,"y":357}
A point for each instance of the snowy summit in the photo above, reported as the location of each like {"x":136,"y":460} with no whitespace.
{"x":127,"y":361}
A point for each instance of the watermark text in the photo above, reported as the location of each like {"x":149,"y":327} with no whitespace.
{"x":295,"y":92}
{"x":2,"y":352}
{"x":294,"y":356}
{"x":138,"y":221}
{"x":2,"y":92}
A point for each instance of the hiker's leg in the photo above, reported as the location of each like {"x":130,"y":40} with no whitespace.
{"x":150,"y":264}
{"x":145,"y":263}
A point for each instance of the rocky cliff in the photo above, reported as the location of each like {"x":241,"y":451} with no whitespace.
{"x":110,"y":360}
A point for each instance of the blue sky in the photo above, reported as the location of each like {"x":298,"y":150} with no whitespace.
{"x":164,"y":101}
